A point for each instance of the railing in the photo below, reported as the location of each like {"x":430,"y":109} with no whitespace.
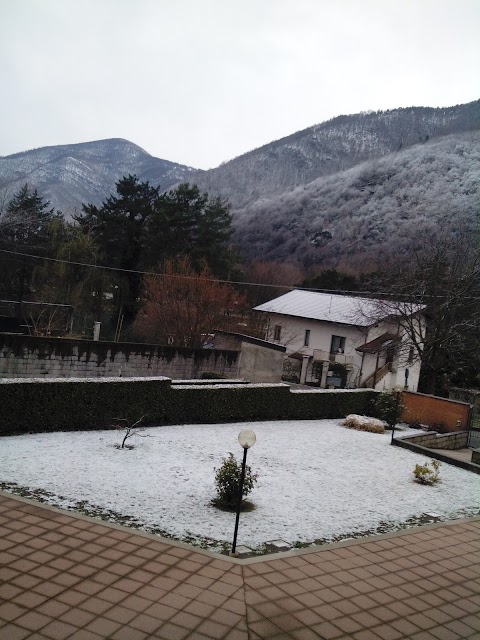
{"x":376,"y":376}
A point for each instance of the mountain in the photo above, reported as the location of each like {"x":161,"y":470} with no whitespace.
{"x":332,"y":146}
{"x":349,"y":190}
{"x":72,"y":174}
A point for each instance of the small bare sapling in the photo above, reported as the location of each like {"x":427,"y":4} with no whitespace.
{"x":130,"y":430}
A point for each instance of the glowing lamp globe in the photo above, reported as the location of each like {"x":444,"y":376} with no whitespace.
{"x":247,"y":438}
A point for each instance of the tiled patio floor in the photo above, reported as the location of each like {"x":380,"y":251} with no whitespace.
{"x":63,"y":576}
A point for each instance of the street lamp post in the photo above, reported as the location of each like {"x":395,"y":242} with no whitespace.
{"x":246,"y":439}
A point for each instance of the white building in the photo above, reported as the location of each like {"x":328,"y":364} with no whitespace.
{"x":344,"y":341}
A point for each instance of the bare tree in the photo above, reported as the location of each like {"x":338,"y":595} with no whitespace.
{"x":444,"y":277}
{"x":130,"y":429}
{"x":182,"y":307}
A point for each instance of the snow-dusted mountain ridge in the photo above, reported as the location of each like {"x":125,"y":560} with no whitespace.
{"x":72,"y":174}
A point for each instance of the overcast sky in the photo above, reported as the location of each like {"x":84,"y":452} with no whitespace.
{"x":202,"y":81}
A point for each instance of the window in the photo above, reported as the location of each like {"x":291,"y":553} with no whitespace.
{"x":306,"y":340}
{"x":410,"y":355}
{"x":277,"y":332}
{"x":337,"y":345}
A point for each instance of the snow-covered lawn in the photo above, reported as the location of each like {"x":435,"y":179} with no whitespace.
{"x":317,"y":479}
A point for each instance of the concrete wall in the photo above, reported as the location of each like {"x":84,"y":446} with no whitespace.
{"x":441,"y":413}
{"x":34,"y":357}
{"x":260,"y":361}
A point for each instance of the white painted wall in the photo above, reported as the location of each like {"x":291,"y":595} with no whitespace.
{"x":293,"y":336}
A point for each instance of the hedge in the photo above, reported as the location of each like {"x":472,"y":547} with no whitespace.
{"x":28,"y":406}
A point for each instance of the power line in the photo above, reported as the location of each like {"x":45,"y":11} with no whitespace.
{"x":223,"y":281}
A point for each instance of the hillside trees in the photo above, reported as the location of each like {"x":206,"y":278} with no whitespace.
{"x":183,"y":306}
{"x":139,"y":227}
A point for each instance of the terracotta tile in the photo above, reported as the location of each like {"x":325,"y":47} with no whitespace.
{"x":13,"y":632}
{"x":386,"y":632}
{"x":111,"y":554}
{"x":105,"y":577}
{"x":29,"y":599}
{"x":237,"y":634}
{"x":103,"y":627}
{"x":132,"y":561}
{"x":201,"y":609}
{"x":120,"y":614}
{"x":66,"y":579}
{"x":171,"y":631}
{"x":348,"y":625}
{"x":72,"y":597}
{"x":9,"y":591}
{"x":199,"y":581}
{"x":176,"y":600}
{"x":441,"y":633}
{"x":235,"y":606}
{"x":95,"y":605}
{"x":33,"y":621}
{"x":58,"y":630}
{"x":90,"y":587}
{"x":164,"y":583}
{"x":136,"y":603}
{"x":211,"y":572}
{"x":456,"y":626}
{"x":321,"y":596}
{"x":188,"y":591}
{"x":20,"y":564}
{"x":209,"y":597}
{"x":97,"y":562}
{"x":77,"y":617}
{"x":365,"y":619}
{"x":128,"y":585}
{"x":186,"y":620}
{"x":49,"y":589}
{"x":268,"y":609}
{"x":110,"y":594}
{"x":145,"y":623}
{"x":327,"y":631}
{"x":148,"y":554}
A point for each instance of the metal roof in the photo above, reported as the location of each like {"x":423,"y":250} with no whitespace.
{"x":329,"y":307}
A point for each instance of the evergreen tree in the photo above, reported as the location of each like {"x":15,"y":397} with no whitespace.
{"x":119,"y":226}
{"x":139,"y":228}
{"x":27,"y":227}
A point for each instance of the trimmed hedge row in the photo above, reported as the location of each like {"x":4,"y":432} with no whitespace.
{"x":67,"y":405}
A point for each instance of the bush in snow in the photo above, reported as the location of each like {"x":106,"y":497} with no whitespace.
{"x":362,"y":423}
{"x":227,"y":482}
{"x":389,"y":408}
{"x":427,"y":473}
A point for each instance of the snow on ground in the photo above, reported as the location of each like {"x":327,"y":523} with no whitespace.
{"x":317,"y":479}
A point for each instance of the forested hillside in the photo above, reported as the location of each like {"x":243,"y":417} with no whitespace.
{"x":362,"y":215}
{"x":330,"y":147}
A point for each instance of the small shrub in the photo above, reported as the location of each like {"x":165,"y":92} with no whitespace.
{"x":227,"y":482}
{"x":389,"y":408}
{"x":427,"y":473}
{"x":362,"y":423}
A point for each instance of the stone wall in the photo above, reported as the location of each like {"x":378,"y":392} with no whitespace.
{"x":440,"y":440}
{"x":440,"y":413}
{"x":34,"y":357}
